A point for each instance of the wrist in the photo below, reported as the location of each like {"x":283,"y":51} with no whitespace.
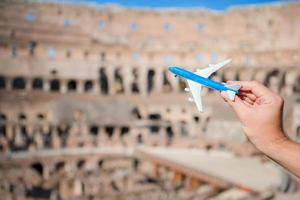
{"x":273,"y":143}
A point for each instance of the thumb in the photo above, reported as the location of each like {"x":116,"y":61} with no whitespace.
{"x":236,"y":104}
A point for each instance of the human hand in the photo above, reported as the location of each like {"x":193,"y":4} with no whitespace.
{"x":260,"y":112}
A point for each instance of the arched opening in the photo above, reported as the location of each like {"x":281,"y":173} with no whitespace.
{"x":298,"y":133}
{"x":72,"y":85}
{"x":296,"y":88}
{"x":100,"y":163}
{"x":31,"y":47}
{"x":166,"y":83}
{"x":124,"y":130}
{"x":55,"y":85}
{"x":273,"y":73}
{"x":150,"y":80}
{"x":182,"y":84}
{"x":109,"y":131}
{"x":63,"y":133}
{"x":88,"y":85}
{"x":169,"y":132}
{"x":40,"y":116}
{"x":37,"y":84}
{"x":154,"y":117}
{"x":139,"y":139}
{"x":38,"y":167}
{"x":22,"y":117}
{"x":2,"y":125}
{"x":119,"y":81}
{"x":2,"y":82}
{"x":19,"y":83}
{"x":80,"y":164}
{"x":134,"y":85}
{"x":59,"y":166}
{"x":103,"y":80}
{"x":94,"y":130}
{"x":184,"y":129}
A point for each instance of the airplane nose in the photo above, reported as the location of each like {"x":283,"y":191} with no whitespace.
{"x":172,"y":69}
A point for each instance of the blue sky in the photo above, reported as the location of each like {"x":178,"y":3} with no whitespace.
{"x":210,"y":4}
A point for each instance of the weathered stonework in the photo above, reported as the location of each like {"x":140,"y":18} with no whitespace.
{"x":75,"y":79}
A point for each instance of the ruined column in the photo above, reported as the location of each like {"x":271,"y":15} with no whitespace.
{"x":110,"y":80}
{"x":63,"y":86}
{"x":8,"y":83}
{"x":46,"y":85}
{"x":142,"y":80}
{"x":80,"y":86}
{"x":159,"y":76}
{"x":96,"y":87}
{"x":28,"y":84}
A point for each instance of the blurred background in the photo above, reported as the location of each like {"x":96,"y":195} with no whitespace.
{"x":88,"y":109}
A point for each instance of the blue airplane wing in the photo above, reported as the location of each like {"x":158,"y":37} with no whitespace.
{"x":196,"y":89}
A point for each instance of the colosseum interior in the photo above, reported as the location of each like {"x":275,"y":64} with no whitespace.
{"x":89,"y":111}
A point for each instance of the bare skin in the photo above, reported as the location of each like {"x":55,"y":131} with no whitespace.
{"x":260,"y":112}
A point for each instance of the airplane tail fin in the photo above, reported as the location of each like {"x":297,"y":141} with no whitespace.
{"x":231,"y":94}
{"x":221,"y":64}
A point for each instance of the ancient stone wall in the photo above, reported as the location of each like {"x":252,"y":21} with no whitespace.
{"x":77,"y":78}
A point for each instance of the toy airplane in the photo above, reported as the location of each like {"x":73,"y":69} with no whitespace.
{"x":200,"y":77}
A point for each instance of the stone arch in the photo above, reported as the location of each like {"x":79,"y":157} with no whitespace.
{"x":59,"y":166}
{"x":100,"y":163}
{"x":119,"y":80}
{"x":109,"y":130}
{"x":94,"y":129}
{"x":274,"y":80}
{"x":88,"y":85}
{"x":155,"y":117}
{"x":150,"y":80}
{"x":169,"y":132}
{"x":183,"y":128}
{"x":22,"y":117}
{"x":37,"y":84}
{"x":182,"y":84}
{"x":81,"y":163}
{"x":103,"y":80}
{"x":124,"y":130}
{"x":269,"y":75}
{"x":2,"y":82}
{"x":38,"y":167}
{"x":290,"y":79}
{"x":298,"y":133}
{"x":135,"y":85}
{"x":19,"y":83}
{"x":55,"y":85}
{"x":40,"y":116}
{"x":296,"y":87}
{"x":167,"y":87}
{"x":3,"y":124}
{"x":72,"y":85}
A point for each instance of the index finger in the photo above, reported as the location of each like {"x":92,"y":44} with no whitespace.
{"x":254,"y":87}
